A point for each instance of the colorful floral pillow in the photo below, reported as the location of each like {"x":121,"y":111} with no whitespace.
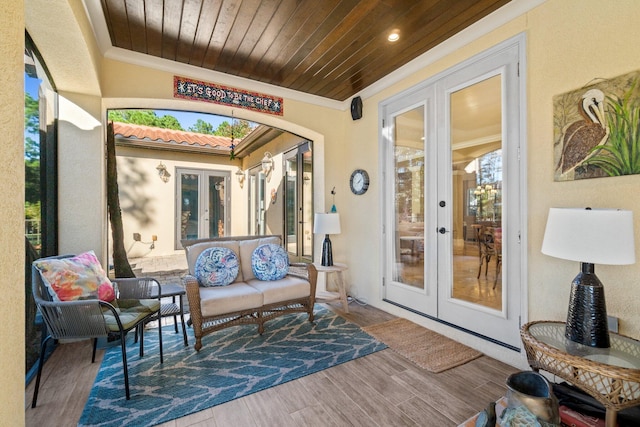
{"x":76,"y":278}
{"x":217,"y":266}
{"x":270,"y":262}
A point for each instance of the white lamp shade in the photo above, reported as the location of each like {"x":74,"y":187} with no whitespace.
{"x":326,"y":223}
{"x":595,"y":236}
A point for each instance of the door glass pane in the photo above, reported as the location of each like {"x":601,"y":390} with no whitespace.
{"x":409,"y":197}
{"x":257,"y":202}
{"x":189,"y":207}
{"x":476,"y":142}
{"x":291,"y":217}
{"x":307,"y":204}
{"x":216,"y":206}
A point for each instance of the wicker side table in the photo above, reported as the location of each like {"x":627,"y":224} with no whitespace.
{"x":609,"y":375}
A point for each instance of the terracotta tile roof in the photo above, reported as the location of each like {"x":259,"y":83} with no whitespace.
{"x":171,"y":137}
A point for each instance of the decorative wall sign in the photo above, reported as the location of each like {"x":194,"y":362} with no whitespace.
{"x":209,"y":92}
{"x":597,"y":129}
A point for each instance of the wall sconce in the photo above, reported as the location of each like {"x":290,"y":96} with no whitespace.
{"x":267,"y":163}
{"x":240,"y":177}
{"x":163,"y":173}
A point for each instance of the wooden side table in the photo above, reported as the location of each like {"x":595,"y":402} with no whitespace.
{"x":609,"y":375}
{"x":341,"y":295}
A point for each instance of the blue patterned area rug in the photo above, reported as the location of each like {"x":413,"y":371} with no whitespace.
{"x":232,"y":363}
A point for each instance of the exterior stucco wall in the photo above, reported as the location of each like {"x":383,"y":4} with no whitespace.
{"x":12,"y":297}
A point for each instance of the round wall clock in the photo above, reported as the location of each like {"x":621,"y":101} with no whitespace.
{"x":359,"y":181}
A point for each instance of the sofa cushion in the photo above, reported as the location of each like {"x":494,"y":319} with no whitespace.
{"x":228,"y":299}
{"x":269,"y":262}
{"x":246,"y":250}
{"x":289,"y":288}
{"x":216,"y":267}
{"x":194,"y":251}
{"x":75,"y":278}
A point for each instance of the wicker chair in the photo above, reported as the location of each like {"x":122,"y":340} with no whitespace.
{"x":82,"y":319}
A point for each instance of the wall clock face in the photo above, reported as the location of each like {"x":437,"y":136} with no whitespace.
{"x":359,"y":181}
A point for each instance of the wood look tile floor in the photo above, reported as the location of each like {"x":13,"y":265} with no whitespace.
{"x":381,"y":389}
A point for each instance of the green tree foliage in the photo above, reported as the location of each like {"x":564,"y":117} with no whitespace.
{"x":202,"y":127}
{"x":32,"y":127}
{"x":240,"y":129}
{"x":146,"y":118}
{"x":32,"y":157}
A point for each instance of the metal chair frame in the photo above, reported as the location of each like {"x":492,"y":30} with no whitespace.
{"x":84,"y":319}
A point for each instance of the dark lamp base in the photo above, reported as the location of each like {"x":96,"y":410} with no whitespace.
{"x":587,"y":317}
{"x":327,"y":253}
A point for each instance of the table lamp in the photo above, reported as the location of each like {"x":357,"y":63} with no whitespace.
{"x":326,"y":223}
{"x":589,"y":236}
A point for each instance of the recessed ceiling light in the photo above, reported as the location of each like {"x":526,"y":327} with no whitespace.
{"x":394,"y":37}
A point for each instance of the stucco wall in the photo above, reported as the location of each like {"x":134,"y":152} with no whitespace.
{"x":149,"y":205}
{"x":12,"y":354}
{"x":572,"y":43}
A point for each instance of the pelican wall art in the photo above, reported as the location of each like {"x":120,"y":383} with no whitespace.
{"x":597,"y":129}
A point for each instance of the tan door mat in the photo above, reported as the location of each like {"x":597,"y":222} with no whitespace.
{"x":425,"y":348}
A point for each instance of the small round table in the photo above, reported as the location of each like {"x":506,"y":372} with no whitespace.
{"x":341,"y":295}
{"x":174,"y":290}
{"x":609,"y":375}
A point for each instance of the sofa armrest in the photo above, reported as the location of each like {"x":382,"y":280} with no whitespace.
{"x":299,"y":270}
{"x":313,"y":278}
{"x":193,"y":296}
{"x":308,"y":272}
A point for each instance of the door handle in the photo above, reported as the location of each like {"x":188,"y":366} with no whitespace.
{"x":442,"y":230}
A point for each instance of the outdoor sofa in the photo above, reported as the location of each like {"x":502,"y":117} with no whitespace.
{"x":223,"y":290}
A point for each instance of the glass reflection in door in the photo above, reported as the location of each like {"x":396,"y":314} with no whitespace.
{"x":409,"y":185}
{"x":189,"y":206}
{"x":476,"y":144}
{"x":216,"y":206}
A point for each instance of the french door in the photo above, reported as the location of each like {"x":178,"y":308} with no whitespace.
{"x":452,"y":199}
{"x":203,"y":200}
{"x":257,"y":201}
{"x":299,"y":203}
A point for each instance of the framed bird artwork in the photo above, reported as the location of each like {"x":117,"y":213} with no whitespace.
{"x":596,"y":130}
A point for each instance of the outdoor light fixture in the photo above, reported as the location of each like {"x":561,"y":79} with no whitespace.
{"x":267,"y":163}
{"x":589,"y":236}
{"x":326,"y":223}
{"x":163,"y":173}
{"x":240,"y":177}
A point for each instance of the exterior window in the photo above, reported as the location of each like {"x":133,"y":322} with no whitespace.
{"x":41,"y":209}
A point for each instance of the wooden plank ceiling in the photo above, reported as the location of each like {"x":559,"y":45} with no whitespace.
{"x":329,"y":48}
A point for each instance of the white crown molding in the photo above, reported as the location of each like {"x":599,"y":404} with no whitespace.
{"x":484,"y":26}
{"x":199,"y":73}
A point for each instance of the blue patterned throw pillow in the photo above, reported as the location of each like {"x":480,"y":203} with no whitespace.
{"x":270,"y":262}
{"x":216,"y":267}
